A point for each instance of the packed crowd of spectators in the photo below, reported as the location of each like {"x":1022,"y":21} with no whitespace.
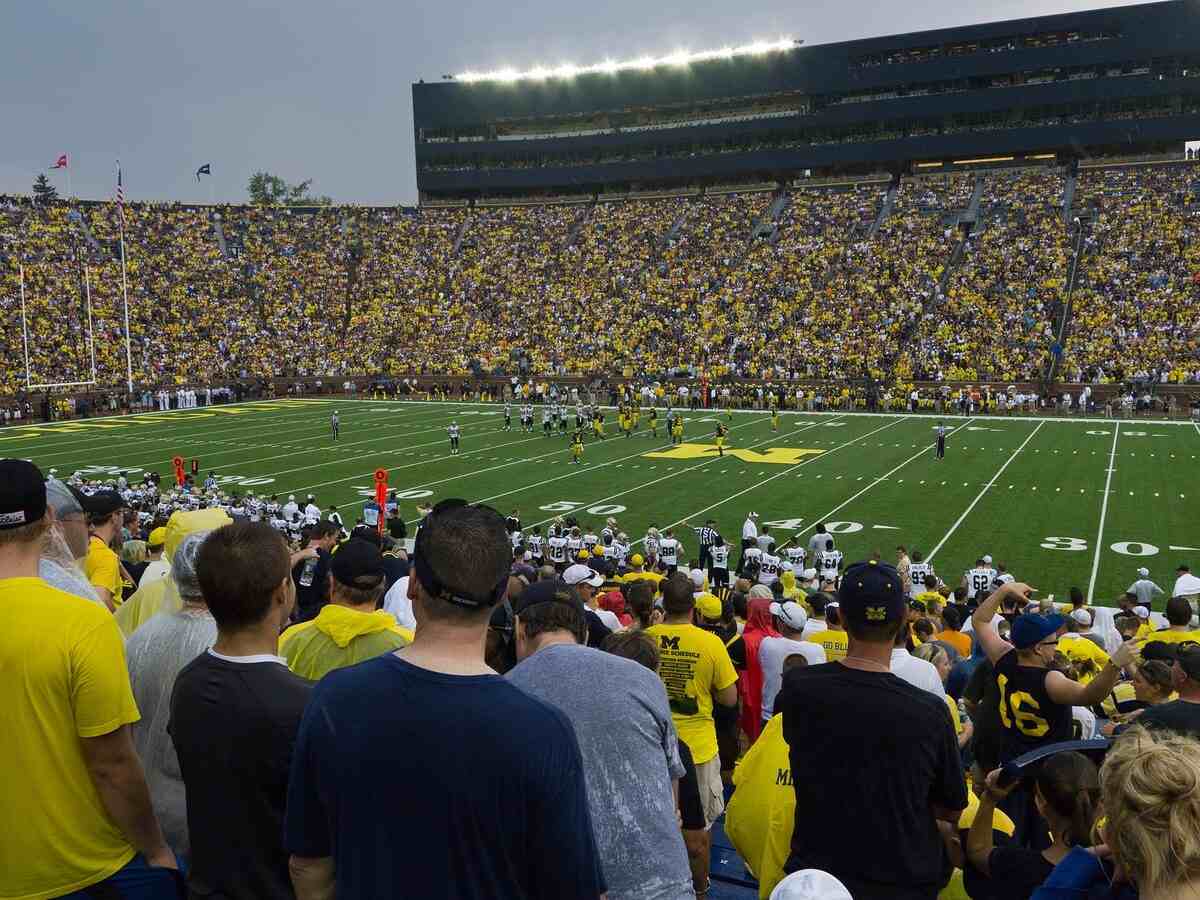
{"x":230,"y":709}
{"x":751,"y":284}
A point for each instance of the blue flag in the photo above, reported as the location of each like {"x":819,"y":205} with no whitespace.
{"x":205,"y":169}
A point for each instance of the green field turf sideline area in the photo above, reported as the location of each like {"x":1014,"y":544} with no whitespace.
{"x":1062,"y":502}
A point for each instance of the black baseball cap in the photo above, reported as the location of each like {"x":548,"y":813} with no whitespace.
{"x":1187,"y":654}
{"x":22,"y":494}
{"x":872,"y":594}
{"x":102,"y":503}
{"x":548,"y":591}
{"x":358,"y":564}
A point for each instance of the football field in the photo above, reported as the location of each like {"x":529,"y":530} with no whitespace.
{"x":1062,"y":502}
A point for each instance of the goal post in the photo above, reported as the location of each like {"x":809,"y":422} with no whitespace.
{"x":30,"y":384}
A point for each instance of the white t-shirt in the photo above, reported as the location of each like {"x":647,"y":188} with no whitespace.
{"x":609,"y":618}
{"x":917,"y":672}
{"x":811,"y":627}
{"x":749,"y":530}
{"x":771,"y":654}
{"x":397,"y":603}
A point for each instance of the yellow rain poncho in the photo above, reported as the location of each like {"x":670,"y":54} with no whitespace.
{"x":162,"y":594}
{"x":340,"y":637}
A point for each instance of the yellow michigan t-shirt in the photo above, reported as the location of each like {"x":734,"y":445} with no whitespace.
{"x":62,"y":677}
{"x":103,"y":569}
{"x":693,"y":664}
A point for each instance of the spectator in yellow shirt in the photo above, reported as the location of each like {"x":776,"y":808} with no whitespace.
{"x":101,"y":565}
{"x":1179,"y":624}
{"x":70,"y":751}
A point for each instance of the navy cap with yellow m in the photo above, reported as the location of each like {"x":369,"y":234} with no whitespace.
{"x":871,"y":594}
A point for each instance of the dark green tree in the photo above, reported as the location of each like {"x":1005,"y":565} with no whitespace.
{"x":266,"y":189}
{"x":43,"y":190}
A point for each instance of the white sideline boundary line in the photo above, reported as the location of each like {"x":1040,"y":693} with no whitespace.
{"x":885,"y":476}
{"x":1112,"y":458}
{"x":987,"y":487}
{"x":786,"y":471}
{"x":950,"y":417}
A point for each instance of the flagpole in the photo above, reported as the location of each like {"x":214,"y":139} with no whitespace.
{"x":24,"y":329}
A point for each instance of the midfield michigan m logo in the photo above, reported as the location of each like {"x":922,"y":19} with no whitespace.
{"x":780,"y":456}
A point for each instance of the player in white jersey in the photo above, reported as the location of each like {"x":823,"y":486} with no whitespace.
{"x":546,"y":429}
{"x":918,"y":571}
{"x":751,"y":560}
{"x":978,"y":581}
{"x":556,"y":547}
{"x":453,"y":432}
{"x":829,"y":564}
{"x":574,"y":544}
{"x":718,"y":553}
{"x":590,"y":540}
{"x":669,"y":550}
{"x":508,"y":417}
{"x":651,"y":540}
{"x":796,"y":555}
{"x":620,"y":548}
{"x":769,"y":568}
{"x":536,"y":545}
{"x":527,"y":417}
{"x":1002,"y":576}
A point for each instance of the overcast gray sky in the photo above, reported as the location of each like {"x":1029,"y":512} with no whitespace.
{"x":314,"y":89}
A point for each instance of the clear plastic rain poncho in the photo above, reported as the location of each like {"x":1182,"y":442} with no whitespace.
{"x":58,"y":566}
{"x":155,"y":653}
{"x":162,"y":593}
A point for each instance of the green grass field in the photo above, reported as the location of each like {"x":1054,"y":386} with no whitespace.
{"x":1062,"y":502}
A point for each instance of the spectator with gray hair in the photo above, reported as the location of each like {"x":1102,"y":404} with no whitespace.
{"x":66,"y":545}
{"x":156,"y":652}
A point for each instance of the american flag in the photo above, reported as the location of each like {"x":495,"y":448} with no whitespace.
{"x":120,"y":196}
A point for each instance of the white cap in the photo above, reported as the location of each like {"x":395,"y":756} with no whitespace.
{"x":1082,"y":617}
{"x":291,"y":496}
{"x":581,"y":574}
{"x":1141,"y":612}
{"x":987,"y":559}
{"x":752,"y":515}
{"x":1143,"y":572}
{"x":697,"y":576}
{"x":810,"y":884}
{"x":809,"y":574}
{"x":791,"y":614}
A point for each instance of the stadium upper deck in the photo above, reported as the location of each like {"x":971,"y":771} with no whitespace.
{"x":1088,"y":83}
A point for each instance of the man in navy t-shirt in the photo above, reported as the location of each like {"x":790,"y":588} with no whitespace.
{"x":425,"y":774}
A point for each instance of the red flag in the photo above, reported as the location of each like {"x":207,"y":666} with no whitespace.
{"x":60,"y":163}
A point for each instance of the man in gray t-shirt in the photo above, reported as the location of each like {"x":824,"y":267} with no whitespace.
{"x":622,"y":721}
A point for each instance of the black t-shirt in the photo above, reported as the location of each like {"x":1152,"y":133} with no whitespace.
{"x":1182,"y":716}
{"x":423,"y":784}
{"x":870,"y":756}
{"x":396,"y":528}
{"x":982,"y":690}
{"x":233,"y":725}
{"x":1015,"y":873}
{"x":1028,"y":717}
{"x":310,"y":599}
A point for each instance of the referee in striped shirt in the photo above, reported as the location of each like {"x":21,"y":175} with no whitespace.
{"x":708,"y":536}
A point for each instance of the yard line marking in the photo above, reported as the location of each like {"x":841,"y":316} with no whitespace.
{"x":1103,"y":512}
{"x":827,"y":516}
{"x":785,"y":472}
{"x":953,"y":528}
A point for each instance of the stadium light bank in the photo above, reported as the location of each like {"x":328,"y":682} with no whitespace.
{"x":611,"y":66}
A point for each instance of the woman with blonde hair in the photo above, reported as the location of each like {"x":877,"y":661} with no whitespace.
{"x":1150,"y":783}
